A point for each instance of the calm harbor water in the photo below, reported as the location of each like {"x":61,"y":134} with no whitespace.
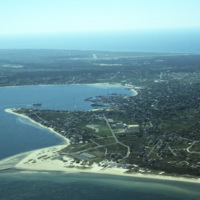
{"x":18,"y":135}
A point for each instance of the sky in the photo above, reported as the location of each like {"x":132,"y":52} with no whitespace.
{"x":63,"y":16}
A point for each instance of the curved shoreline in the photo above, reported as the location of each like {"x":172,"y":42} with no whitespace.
{"x":9,"y":110}
{"x":113,"y":85}
{"x":59,"y":166}
{"x":93,"y":84}
{"x":51,"y":164}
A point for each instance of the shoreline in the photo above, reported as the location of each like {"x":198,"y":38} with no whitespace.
{"x":51,"y":165}
{"x":135,"y":92}
{"x":49,"y":159}
{"x":9,"y":110}
{"x":42,"y":85}
{"x":94,"y":84}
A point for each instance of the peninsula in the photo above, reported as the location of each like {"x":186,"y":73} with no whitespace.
{"x":153,"y":134}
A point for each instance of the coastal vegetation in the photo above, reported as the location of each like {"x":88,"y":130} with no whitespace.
{"x":157,"y":129}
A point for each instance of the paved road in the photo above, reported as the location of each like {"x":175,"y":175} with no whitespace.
{"x":117,"y":141}
{"x":172,"y":151}
{"x":152,"y":149}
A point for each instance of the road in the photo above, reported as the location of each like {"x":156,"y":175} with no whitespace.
{"x":172,"y":151}
{"x":152,"y":149}
{"x":188,"y":149}
{"x":117,"y":141}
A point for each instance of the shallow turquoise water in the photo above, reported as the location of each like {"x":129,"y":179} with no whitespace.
{"x":58,"y":185}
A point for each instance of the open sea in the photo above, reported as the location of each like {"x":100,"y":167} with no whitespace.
{"x":29,"y":185}
{"x":19,"y":135}
{"x":160,"y":41}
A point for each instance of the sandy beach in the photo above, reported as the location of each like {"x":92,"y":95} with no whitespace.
{"x":93,"y":84}
{"x":115,"y":85}
{"x":50,"y":159}
{"x":106,"y":84}
{"x":67,"y":141}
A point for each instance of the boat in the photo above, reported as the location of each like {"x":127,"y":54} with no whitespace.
{"x":99,"y":104}
{"x":37,"y":104}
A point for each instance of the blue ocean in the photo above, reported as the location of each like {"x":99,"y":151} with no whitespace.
{"x":31,"y":185}
{"x":160,"y":41}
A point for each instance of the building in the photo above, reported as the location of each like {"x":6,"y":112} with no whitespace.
{"x":119,"y":125}
{"x":133,"y":128}
{"x":87,"y":155}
